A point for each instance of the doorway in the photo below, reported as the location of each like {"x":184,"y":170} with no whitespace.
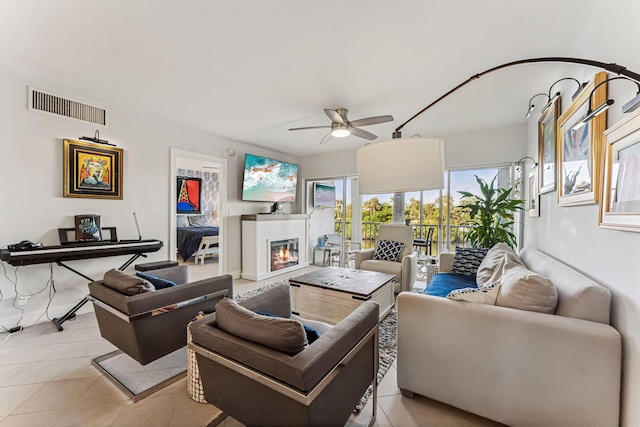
{"x":209,"y":168}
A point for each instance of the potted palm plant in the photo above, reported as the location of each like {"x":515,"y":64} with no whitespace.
{"x":491,"y":213}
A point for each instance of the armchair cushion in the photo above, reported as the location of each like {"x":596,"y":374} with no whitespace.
{"x":467,"y":260}
{"x":126,"y":283}
{"x":278,"y":333}
{"x":157,"y":282}
{"x":388,"y":250}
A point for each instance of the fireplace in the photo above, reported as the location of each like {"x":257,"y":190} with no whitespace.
{"x":284,"y":253}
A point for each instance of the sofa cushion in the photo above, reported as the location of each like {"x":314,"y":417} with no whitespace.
{"x":388,"y":250}
{"x":443,"y":283}
{"x":126,"y":284}
{"x":467,"y":260}
{"x":278,"y":333}
{"x":157,"y":282}
{"x":493,"y":263}
{"x":484,"y":295}
{"x":525,"y":290}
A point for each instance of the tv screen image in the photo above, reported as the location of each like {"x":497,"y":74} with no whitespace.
{"x":324,"y":195}
{"x":269,"y":180}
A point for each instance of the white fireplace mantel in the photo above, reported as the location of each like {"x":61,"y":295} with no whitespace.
{"x":259,"y":230}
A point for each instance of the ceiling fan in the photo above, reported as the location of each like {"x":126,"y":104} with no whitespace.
{"x":341,"y":126}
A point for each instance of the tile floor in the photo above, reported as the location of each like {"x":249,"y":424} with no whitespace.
{"x":46,"y":379}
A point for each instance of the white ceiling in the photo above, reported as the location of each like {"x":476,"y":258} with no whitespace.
{"x":250,"y":69}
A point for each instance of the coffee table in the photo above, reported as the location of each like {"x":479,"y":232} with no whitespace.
{"x":330,"y":294}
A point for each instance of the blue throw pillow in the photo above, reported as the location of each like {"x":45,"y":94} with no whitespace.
{"x":158,"y":282}
{"x":312,"y":333}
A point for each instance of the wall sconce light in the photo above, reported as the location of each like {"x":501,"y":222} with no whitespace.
{"x":628,"y":107}
{"x":531,"y":106}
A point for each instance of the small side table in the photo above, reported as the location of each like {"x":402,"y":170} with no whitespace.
{"x":427,"y":267}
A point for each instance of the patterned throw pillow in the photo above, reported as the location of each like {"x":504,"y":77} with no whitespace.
{"x":388,"y":250}
{"x":484,"y":295}
{"x":467,"y":260}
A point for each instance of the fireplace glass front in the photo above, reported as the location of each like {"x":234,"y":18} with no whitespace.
{"x":284,"y":253}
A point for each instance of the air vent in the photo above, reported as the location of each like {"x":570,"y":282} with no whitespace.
{"x":54,"y":104}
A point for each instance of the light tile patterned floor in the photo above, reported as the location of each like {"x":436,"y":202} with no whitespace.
{"x":46,"y":380}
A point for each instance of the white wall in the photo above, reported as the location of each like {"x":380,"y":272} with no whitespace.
{"x":31,"y":194}
{"x":571,"y":234}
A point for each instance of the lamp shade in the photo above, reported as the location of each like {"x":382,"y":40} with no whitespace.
{"x":401,"y":165}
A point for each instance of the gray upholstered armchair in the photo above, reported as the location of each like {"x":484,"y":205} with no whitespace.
{"x":151,"y":324}
{"x":317,"y":384}
{"x":404,"y":267}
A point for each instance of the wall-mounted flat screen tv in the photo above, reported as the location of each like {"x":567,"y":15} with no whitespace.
{"x":269,"y":180}
{"x":324,"y":195}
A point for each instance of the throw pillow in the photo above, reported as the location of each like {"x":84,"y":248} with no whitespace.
{"x":467,"y":260}
{"x":485,"y":295}
{"x":198,"y":221}
{"x":126,"y":283}
{"x":525,"y":290}
{"x":182,"y":221}
{"x":490,"y":269}
{"x":278,"y":333}
{"x":388,"y":250}
{"x":157,"y":282}
{"x":311,"y":332}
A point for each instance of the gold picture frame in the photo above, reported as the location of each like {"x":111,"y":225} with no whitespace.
{"x":547,"y":142}
{"x":92,"y":170}
{"x":579,"y":151}
{"x":620,"y":207}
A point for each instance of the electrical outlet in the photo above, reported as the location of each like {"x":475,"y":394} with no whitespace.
{"x":23,"y":300}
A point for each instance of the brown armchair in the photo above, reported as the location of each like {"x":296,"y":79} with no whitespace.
{"x":150,"y":325}
{"x":318,"y":386}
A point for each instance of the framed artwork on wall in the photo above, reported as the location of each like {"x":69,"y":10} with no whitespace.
{"x":547,"y":142}
{"x":533,"y":196}
{"x":189,"y":191}
{"x":579,"y":147}
{"x":620,"y":207}
{"x":92,"y":170}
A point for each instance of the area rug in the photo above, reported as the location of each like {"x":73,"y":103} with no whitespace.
{"x":387,"y":341}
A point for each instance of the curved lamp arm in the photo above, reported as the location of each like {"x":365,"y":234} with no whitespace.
{"x":614,"y":68}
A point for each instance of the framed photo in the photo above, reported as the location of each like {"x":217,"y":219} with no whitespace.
{"x":189,"y":191}
{"x":579,"y":149}
{"x":92,"y":170}
{"x":547,"y":142}
{"x":620,"y":207}
{"x":533,"y":196}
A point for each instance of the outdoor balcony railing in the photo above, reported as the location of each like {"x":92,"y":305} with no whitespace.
{"x":455,"y":232}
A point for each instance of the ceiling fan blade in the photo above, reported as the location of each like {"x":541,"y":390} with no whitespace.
{"x":311,"y":127}
{"x":334,"y":116}
{"x":371,"y":121}
{"x":326,"y":139}
{"x":363,"y":134}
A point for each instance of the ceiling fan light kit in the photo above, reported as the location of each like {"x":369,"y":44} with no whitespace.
{"x":342,"y":127}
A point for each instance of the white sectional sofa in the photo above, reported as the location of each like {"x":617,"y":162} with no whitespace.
{"x":514,"y":366}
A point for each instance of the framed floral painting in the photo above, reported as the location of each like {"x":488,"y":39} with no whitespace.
{"x":579,"y":147}
{"x":92,"y":170}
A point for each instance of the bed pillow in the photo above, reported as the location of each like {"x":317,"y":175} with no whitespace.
{"x":525,"y":290}
{"x":126,"y":284}
{"x":467,"y":260}
{"x":182,"y":221}
{"x":485,"y":295}
{"x":493,"y":263}
{"x":198,"y":221}
{"x":278,"y":333}
{"x":157,"y":282}
{"x":388,"y":250}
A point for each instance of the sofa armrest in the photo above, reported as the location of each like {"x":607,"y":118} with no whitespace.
{"x":363,"y":255}
{"x":409,"y":271}
{"x":509,"y":365}
{"x":302,"y":371}
{"x":141,"y":303}
{"x":446,"y":261}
